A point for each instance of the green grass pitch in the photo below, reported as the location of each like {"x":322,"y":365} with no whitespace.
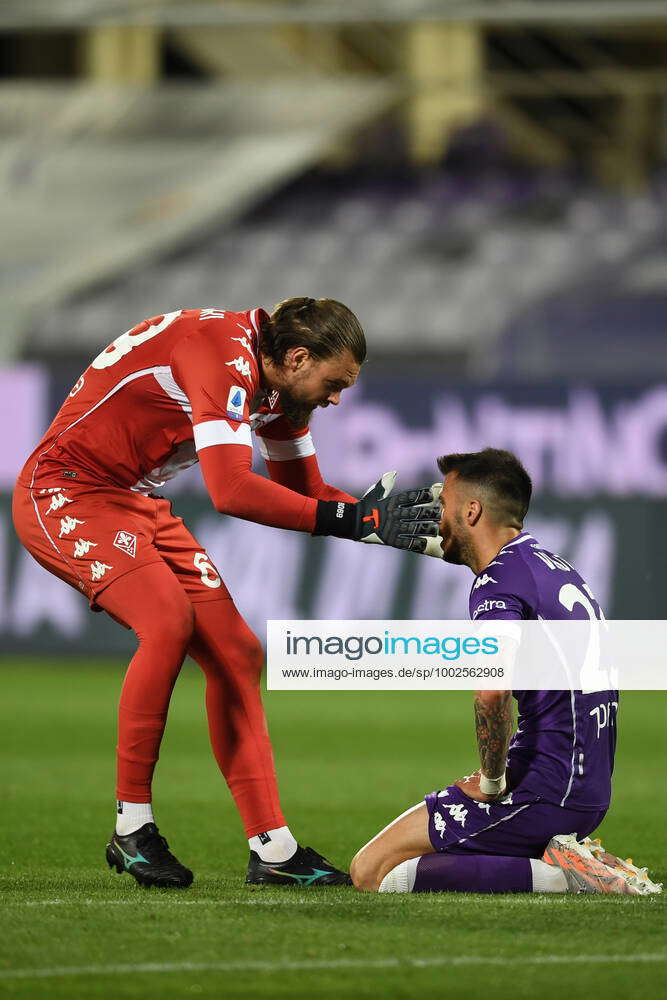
{"x":348,"y":763}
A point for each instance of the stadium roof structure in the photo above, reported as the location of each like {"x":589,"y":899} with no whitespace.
{"x":98,"y":179}
{"x":23,"y":14}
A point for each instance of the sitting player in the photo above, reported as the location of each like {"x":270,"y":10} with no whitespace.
{"x":516,"y":824}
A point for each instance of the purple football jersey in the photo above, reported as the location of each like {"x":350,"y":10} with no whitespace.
{"x":563,"y":748}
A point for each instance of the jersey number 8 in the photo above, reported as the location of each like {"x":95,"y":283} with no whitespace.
{"x":132,"y":338}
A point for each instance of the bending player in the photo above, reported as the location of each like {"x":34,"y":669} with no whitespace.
{"x":188,"y":386}
{"x":515,"y":824}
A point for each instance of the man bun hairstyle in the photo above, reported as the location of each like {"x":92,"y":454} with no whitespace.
{"x":500,"y":475}
{"x":324,"y":326}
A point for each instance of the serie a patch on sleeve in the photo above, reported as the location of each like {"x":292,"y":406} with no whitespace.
{"x":236,"y":402}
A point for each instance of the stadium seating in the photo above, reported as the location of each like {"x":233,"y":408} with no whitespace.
{"x":487,"y":271}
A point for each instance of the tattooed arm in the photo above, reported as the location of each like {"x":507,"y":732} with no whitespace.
{"x":493,"y":724}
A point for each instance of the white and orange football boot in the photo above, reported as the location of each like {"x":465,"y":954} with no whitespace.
{"x":638,"y":878}
{"x":582,"y":871}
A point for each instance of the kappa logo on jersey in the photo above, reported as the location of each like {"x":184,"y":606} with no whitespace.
{"x":483,"y":580}
{"x":244,"y":340}
{"x":78,"y":386}
{"x":68,"y":524}
{"x":126,"y":542}
{"x":489,"y":605}
{"x":486,"y":806}
{"x":98,"y":569}
{"x":236,"y":402}
{"x":242,"y":366}
{"x":439,"y":823}
{"x":83,"y":547}
{"x":457,"y":812}
{"x":57,"y":501}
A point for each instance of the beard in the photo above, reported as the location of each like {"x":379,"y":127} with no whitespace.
{"x":298,"y":414}
{"x":458,"y":550}
{"x":452,"y":553}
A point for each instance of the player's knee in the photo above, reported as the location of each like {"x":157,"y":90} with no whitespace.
{"x":364,"y":872}
{"x":249,"y":653}
{"x":177,"y":632}
{"x":174,"y":625}
{"x":182,"y":625}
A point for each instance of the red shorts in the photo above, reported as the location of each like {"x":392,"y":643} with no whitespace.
{"x":90,"y":536}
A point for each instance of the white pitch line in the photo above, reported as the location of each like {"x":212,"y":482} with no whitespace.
{"x":352,"y":900}
{"x":60,"y":971}
{"x":174,"y":902}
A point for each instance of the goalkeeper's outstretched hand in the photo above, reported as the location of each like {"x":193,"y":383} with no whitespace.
{"x":407,"y":520}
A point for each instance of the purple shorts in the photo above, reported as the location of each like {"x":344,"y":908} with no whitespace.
{"x":459,"y":825}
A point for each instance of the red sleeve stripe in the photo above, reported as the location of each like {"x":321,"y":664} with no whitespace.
{"x":285,"y":451}
{"x":220,"y":432}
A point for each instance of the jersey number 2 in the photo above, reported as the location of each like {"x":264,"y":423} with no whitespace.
{"x":132,"y":338}
{"x":595,"y":676}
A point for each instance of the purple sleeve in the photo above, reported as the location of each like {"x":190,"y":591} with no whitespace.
{"x":502,"y":590}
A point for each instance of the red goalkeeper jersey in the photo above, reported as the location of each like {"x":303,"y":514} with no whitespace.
{"x":176,"y":389}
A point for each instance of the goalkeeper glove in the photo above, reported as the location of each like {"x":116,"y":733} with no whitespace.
{"x":407,"y":520}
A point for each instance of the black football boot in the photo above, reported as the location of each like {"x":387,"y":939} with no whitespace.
{"x":306,"y":867}
{"x":146,"y":855}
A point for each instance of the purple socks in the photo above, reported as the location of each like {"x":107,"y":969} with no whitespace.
{"x":472,"y":873}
